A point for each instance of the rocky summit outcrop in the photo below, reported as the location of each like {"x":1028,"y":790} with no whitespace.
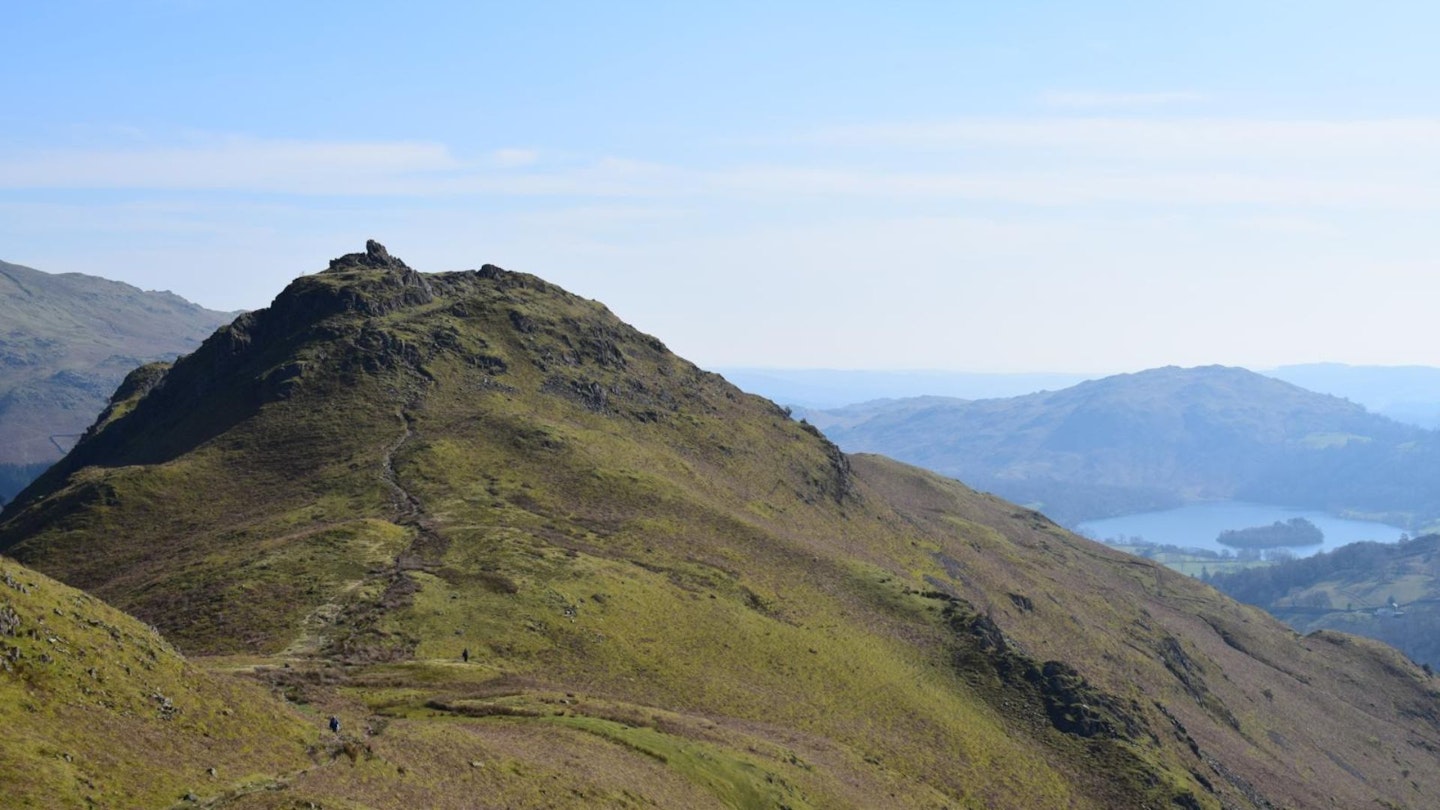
{"x":541,"y":560}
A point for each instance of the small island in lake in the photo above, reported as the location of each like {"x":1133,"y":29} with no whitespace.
{"x":1293,"y":532}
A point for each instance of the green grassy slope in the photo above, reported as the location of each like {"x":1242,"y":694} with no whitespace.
{"x":669,"y":591}
{"x":99,"y":711}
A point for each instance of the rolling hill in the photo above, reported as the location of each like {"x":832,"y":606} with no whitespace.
{"x":66,"y":342}
{"x":1156,"y":439}
{"x":533,"y":559}
{"x":1385,"y":591}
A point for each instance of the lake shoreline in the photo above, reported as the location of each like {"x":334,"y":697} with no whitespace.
{"x":1198,"y":525}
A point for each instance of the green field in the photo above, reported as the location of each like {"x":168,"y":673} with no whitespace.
{"x":1193,"y":565}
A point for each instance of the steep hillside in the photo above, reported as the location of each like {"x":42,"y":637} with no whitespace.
{"x":1389,"y":592}
{"x":1157,"y":439}
{"x":99,"y":711}
{"x":66,"y":341}
{"x":536,"y":560}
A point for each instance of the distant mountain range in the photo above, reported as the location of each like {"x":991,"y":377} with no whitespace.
{"x":1409,"y":394}
{"x":830,"y":388}
{"x":1159,"y":438}
{"x":66,"y":342}
{"x":530,"y":558}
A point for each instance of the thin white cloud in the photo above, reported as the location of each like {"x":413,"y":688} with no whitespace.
{"x":1285,"y":225}
{"x":1047,"y":162}
{"x":514,"y":158}
{"x":1092,"y":100}
{"x":328,"y":169}
{"x":229,"y":163}
{"x":1163,"y":139}
{"x":1082,"y":185}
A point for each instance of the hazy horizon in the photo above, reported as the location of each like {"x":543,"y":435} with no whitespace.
{"x":1409,"y":394}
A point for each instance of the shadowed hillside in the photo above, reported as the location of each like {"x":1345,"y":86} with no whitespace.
{"x":66,"y":341}
{"x":1157,"y":439}
{"x":533,"y":557}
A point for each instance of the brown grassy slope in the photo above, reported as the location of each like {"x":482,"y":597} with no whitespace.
{"x":384,"y":469}
{"x":99,"y":711}
{"x":1278,"y":711}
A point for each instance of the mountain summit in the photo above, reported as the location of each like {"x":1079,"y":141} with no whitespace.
{"x":544,"y":562}
{"x":375,"y":256}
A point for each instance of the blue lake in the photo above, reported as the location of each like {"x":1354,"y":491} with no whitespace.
{"x":1197,"y":526}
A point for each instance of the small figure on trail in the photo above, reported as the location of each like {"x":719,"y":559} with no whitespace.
{"x":465,"y":655}
{"x":334,"y":724}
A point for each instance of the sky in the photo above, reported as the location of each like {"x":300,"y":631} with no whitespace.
{"x":971,"y":186}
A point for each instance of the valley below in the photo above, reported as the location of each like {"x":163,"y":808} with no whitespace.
{"x":1199,"y":525}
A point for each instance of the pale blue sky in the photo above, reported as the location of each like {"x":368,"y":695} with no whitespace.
{"x":1094,"y":187}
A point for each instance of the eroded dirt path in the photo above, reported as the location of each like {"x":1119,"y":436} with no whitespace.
{"x":335,"y":628}
{"x":355,"y":633}
{"x":428,"y":549}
